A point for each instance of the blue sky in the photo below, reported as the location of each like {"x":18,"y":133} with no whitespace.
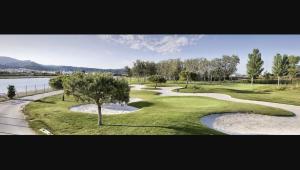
{"x":117,"y":51}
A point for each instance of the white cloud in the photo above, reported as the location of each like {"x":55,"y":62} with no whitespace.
{"x":158,"y":43}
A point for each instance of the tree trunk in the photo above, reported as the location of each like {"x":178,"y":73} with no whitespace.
{"x":278,"y":81}
{"x":251,"y":81}
{"x":99,"y":115}
{"x":63,"y":97}
{"x":155,"y":85}
{"x":187,"y":82}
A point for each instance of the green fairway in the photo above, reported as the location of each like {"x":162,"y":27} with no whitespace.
{"x":271,"y":93}
{"x":158,"y":116}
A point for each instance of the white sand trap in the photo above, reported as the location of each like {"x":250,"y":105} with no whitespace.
{"x":107,"y":109}
{"x":252,"y":124}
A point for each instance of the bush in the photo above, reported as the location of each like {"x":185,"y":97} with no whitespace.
{"x":11,"y":93}
{"x":56,"y":82}
{"x":157,"y":79}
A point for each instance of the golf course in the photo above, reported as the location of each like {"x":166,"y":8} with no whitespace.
{"x":249,"y":89}
{"x":158,"y":115}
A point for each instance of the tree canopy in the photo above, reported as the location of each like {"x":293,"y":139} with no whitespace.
{"x":280,"y":66}
{"x":157,"y":79}
{"x":57,"y":84}
{"x":254,"y":65}
{"x":98,"y":88}
{"x":292,"y":70}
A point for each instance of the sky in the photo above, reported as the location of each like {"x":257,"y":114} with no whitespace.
{"x":117,"y":51}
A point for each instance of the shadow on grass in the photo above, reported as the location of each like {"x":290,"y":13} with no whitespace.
{"x":141,"y":104}
{"x":244,"y":91}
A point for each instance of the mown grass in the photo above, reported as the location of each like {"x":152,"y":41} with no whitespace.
{"x":158,"y":116}
{"x":270,"y":93}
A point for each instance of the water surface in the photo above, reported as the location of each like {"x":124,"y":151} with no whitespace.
{"x":22,"y":83}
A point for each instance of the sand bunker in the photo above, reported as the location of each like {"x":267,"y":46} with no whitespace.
{"x":108,"y":109}
{"x":252,"y":124}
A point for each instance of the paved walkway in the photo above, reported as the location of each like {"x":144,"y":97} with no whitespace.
{"x":12,"y":120}
{"x":244,"y":123}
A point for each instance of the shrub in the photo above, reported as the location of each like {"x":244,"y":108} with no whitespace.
{"x":11,"y":91}
{"x":157,"y":79}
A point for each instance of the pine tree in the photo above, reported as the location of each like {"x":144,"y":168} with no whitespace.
{"x":254,"y":65}
{"x":280,"y":66}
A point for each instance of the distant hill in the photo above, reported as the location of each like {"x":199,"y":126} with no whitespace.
{"x":11,"y":63}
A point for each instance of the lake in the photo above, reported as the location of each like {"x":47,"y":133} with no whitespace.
{"x":21,"y":84}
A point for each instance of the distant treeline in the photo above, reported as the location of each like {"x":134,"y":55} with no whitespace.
{"x":190,"y":70}
{"x":5,"y":73}
{"x":218,"y":69}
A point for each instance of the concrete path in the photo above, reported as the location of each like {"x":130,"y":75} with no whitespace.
{"x":12,"y":120}
{"x":246,"y":124}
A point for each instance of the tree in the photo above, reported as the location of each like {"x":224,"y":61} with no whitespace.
{"x":128,"y":72}
{"x":292,"y":70}
{"x":139,"y":68}
{"x":204,"y":68}
{"x":11,"y":91}
{"x":170,"y":69}
{"x":254,"y":65}
{"x":57,"y":84}
{"x":150,"y":68}
{"x":99,"y":88}
{"x":175,"y":68}
{"x":229,"y":64}
{"x":187,"y":76}
{"x":191,"y":65}
{"x":217,"y":68}
{"x":280,"y":66}
{"x":157,"y":79}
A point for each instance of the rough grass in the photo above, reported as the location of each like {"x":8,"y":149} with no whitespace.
{"x":158,"y":116}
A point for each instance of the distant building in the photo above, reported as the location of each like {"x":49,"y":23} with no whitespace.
{"x":237,"y":76}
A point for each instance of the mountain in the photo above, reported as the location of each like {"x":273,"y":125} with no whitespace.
{"x":11,"y":63}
